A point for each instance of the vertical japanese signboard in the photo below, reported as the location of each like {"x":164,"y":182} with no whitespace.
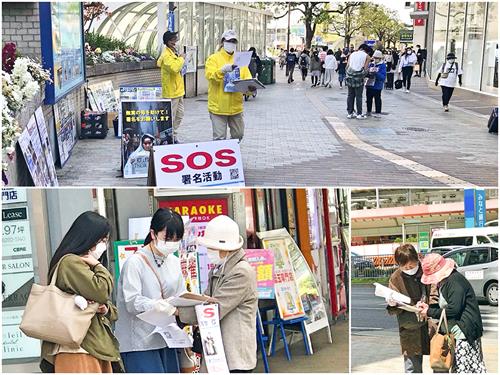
{"x":262,"y":261}
{"x":480,"y":207}
{"x":423,"y":241}
{"x":469,"y":201}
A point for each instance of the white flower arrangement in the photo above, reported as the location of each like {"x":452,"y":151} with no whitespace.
{"x":17,"y":88}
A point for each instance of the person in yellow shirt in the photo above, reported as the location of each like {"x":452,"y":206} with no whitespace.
{"x":225,"y":107}
{"x":171,"y":63}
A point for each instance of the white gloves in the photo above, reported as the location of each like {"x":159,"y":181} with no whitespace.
{"x":164,"y":307}
{"x":391,"y":301}
{"x":227,"y":68}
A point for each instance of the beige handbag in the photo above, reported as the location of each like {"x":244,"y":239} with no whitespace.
{"x":442,"y":351}
{"x":51,"y":315}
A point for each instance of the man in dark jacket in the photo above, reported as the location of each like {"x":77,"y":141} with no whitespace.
{"x":413,"y":330}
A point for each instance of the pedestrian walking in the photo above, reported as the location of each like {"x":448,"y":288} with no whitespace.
{"x":282,"y":58}
{"x":82,"y":271}
{"x":224,"y":105}
{"x":255,"y":65}
{"x":355,"y":78}
{"x":232,"y":283}
{"x":413,"y":329}
{"x":291,"y":61}
{"x":304,"y":62}
{"x":322,"y":56}
{"x":147,"y":279}
{"x":315,"y":69}
{"x":341,"y":69}
{"x":389,"y":83}
{"x":447,"y":78}
{"x":406,"y":64}
{"x":330,"y":67}
{"x":172,"y":64}
{"x":375,"y":83}
{"x":457,"y":298}
{"x":338,"y":54}
{"x":420,"y":61}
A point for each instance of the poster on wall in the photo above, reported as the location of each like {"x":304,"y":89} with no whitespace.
{"x":124,"y":250}
{"x":65,"y":125}
{"x":189,"y":257}
{"x":102,"y":97}
{"x":200,"y":212}
{"x":190,"y":60}
{"x":12,"y":195}
{"x":47,"y":150}
{"x":16,"y":237}
{"x":262,"y":260}
{"x":61,"y":31}
{"x":145,"y":123}
{"x":15,"y":343}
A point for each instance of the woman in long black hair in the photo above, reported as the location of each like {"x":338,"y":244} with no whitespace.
{"x":82,"y":271}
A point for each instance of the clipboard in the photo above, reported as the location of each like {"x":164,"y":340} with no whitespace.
{"x":241,"y":85}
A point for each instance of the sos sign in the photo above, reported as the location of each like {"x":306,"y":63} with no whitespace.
{"x":199,"y":164}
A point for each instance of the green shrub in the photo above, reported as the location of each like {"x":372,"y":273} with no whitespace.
{"x":105,"y":43}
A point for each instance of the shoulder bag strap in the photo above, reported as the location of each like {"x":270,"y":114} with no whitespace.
{"x":442,"y":319}
{"x":148,"y":263}
{"x":54,"y":275}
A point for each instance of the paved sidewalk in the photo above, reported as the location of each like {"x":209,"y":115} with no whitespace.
{"x":291,"y":140}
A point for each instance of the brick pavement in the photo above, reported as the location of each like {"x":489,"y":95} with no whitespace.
{"x":288,"y":142}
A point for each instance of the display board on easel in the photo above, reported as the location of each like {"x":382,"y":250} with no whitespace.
{"x":284,"y":246}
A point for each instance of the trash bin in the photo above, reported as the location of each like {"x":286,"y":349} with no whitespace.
{"x":266,"y":77}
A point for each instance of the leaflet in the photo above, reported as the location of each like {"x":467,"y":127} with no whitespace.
{"x":242,"y":58}
{"x":385,"y":292}
{"x":174,"y":336}
{"x":157,"y":318}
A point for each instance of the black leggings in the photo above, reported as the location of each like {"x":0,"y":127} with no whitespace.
{"x":304,"y":73}
{"x":407,"y":72}
{"x":373,"y":94}
{"x":447,"y":93}
{"x":314,"y":80}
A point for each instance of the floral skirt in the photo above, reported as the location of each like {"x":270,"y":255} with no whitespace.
{"x":468,"y":358}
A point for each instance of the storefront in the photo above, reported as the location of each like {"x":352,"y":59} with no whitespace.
{"x":470,"y":31}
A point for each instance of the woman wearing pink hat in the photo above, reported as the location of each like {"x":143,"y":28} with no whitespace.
{"x":457,"y":297}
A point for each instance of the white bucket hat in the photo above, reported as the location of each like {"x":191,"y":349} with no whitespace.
{"x":222,"y":233}
{"x":378,"y":54}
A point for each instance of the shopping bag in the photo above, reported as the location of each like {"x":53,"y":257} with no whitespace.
{"x":442,"y":347}
{"x":398,"y":84}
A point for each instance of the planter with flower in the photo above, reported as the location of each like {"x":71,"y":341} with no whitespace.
{"x":22,"y":80}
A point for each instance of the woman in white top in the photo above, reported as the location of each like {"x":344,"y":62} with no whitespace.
{"x":406,"y":65}
{"x":330,"y":65}
{"x":447,"y":78}
{"x":147,"y":278}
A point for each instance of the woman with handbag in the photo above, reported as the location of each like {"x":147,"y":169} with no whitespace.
{"x":413,"y":330}
{"x":79,"y":266}
{"x":375,"y":83}
{"x":233,"y":285}
{"x":458,"y":299}
{"x":147,"y":279}
{"x":447,"y":79}
{"x":406,"y":65}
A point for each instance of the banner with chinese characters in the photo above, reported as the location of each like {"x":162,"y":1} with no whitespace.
{"x":211,"y":338}
{"x":262,"y":261}
{"x":285,"y":285}
{"x":213,"y":163}
{"x":145,"y":124}
{"x":200,"y":212}
{"x":123,"y":250}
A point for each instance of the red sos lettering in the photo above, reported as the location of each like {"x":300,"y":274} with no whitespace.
{"x":209,"y":312}
{"x":198,"y":160}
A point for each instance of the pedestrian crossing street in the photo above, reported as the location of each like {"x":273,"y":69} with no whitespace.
{"x":489,"y":315}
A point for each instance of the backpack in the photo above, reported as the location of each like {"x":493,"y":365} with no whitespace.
{"x":290,"y":58}
{"x":303,"y":61}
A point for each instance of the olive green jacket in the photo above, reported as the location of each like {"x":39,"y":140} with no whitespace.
{"x":95,"y":284}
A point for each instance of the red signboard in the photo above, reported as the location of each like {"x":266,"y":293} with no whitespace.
{"x":419,"y":22}
{"x":198,"y":210}
{"x":420,"y":5}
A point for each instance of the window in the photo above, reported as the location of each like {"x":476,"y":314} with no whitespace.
{"x":218,"y":26}
{"x":456,"y":29}
{"x":458,"y":257}
{"x":473,"y":46}
{"x":439,"y":43}
{"x":228,"y":18}
{"x":493,"y":238}
{"x":452,"y":241}
{"x":482,"y":240}
{"x":490,"y":63}
{"x":494,"y":254}
{"x":477,"y":256}
{"x":197,"y":31}
{"x":208,"y":30}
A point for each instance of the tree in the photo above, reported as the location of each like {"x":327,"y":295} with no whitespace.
{"x":383,"y":25}
{"x":313,"y":13}
{"x":354,"y":19}
{"x":92,"y":11}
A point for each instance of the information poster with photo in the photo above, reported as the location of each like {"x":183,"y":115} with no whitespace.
{"x":102,"y":97}
{"x":263,"y":262}
{"x":200,"y":212}
{"x":189,"y":257}
{"x":190,"y":61}
{"x":285,"y":284}
{"x":47,"y":150}
{"x":145,"y":123}
{"x":65,"y":124}
{"x":62,"y":44}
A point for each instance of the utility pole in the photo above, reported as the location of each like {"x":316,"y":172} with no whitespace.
{"x":288,"y":31}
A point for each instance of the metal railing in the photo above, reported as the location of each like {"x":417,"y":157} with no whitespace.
{"x":372,"y":266}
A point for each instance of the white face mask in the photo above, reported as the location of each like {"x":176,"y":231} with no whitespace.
{"x":451,"y":61}
{"x":214,"y":257}
{"x":229,"y":47}
{"x":100,"y":249}
{"x":411,"y":271}
{"x":167,"y":247}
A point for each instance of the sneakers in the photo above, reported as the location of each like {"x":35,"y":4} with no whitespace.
{"x":361,"y":117}
{"x":407,"y":91}
{"x":351,"y":115}
{"x":368,"y":114}
{"x":446,"y":108}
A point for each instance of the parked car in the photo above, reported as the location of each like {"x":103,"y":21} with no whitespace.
{"x":464,"y":237}
{"x":443,"y":249}
{"x":492,"y":223}
{"x":359,"y":262}
{"x":479,"y":265}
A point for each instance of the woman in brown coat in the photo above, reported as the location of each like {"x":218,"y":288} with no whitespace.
{"x":413,"y":329}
